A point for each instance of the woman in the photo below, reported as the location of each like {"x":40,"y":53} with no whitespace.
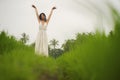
{"x":41,"y":43}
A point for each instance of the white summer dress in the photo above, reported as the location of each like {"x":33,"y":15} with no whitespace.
{"x":41,"y":43}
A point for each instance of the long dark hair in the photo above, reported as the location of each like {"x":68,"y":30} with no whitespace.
{"x":40,"y":17}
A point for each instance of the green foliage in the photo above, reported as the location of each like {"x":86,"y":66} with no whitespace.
{"x":8,"y":43}
{"x":22,"y":64}
{"x":53,"y":51}
{"x":24,"y":38}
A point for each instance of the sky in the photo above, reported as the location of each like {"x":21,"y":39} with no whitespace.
{"x":70,"y":17}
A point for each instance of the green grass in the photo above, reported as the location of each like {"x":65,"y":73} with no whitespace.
{"x":92,"y":57}
{"x":22,"y":64}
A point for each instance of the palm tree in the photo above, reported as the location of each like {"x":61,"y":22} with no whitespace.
{"x":24,"y":38}
{"x":54,"y":43}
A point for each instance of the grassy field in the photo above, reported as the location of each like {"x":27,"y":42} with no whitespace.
{"x":96,"y":58}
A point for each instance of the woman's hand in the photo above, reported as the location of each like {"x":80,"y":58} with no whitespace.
{"x":53,"y":8}
{"x":36,"y":12}
{"x":34,"y":6}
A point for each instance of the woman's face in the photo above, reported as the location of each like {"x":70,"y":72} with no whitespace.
{"x":43,"y":17}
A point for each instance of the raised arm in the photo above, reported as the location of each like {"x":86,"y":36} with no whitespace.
{"x":36,"y":11}
{"x":50,"y":14}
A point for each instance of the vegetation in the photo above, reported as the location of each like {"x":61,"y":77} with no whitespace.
{"x":24,"y":38}
{"x":88,"y":57}
{"x":53,"y":51}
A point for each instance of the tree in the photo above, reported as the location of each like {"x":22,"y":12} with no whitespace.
{"x":54,"y":43}
{"x":69,"y":44}
{"x":24,"y":38}
{"x":54,"y":52}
